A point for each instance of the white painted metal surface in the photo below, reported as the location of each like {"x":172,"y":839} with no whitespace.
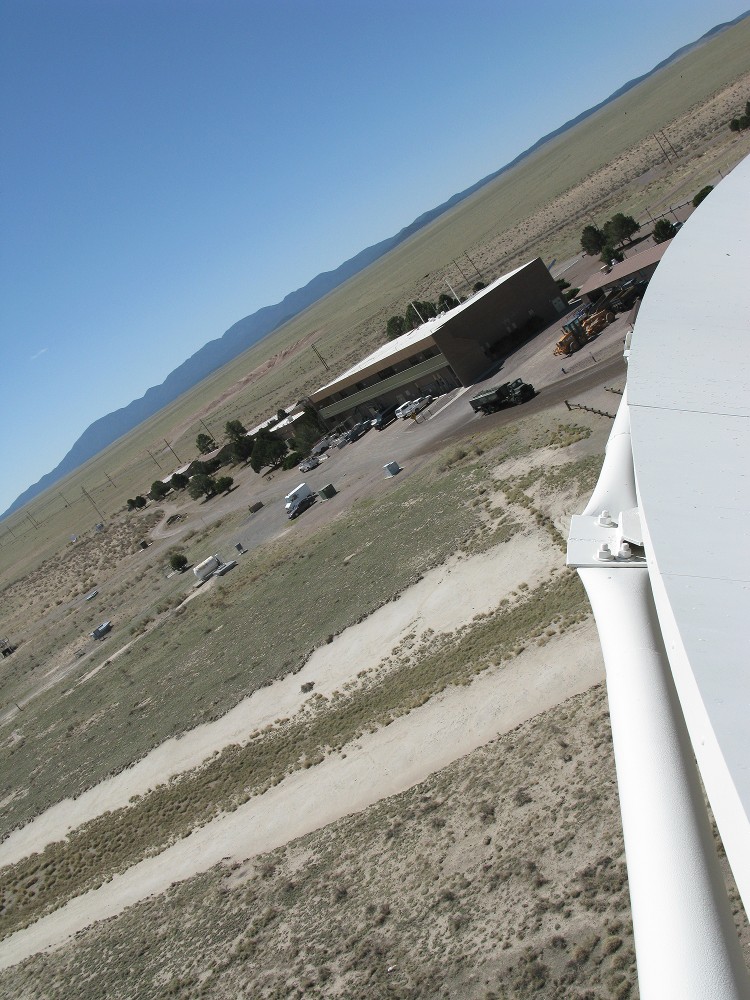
{"x":689,"y":400}
{"x":673,"y":607}
{"x":686,"y":944}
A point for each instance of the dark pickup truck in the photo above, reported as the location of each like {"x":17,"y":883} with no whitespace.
{"x":497,"y":397}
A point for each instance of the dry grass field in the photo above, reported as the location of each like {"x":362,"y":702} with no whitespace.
{"x":375,"y":758}
{"x":502,"y":874}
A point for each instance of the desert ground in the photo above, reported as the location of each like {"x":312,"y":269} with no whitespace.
{"x":374,"y":759}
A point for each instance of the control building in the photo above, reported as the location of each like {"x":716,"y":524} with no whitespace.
{"x":453,"y":349}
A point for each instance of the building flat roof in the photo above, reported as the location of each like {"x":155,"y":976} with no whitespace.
{"x":627,"y":267}
{"x":689,"y":399}
{"x":416,"y":339}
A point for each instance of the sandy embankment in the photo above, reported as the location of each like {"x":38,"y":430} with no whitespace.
{"x":378,"y":765}
{"x":375,"y":766}
{"x":445,"y":599}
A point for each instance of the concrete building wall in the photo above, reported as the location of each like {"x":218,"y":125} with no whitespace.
{"x":433,"y":375}
{"x":496,"y":319}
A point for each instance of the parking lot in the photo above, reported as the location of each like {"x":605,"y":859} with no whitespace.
{"x":356,"y":469}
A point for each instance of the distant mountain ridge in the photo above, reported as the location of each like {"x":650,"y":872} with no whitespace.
{"x":248,"y":331}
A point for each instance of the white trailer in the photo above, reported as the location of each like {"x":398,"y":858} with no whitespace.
{"x":303,"y":490}
{"x":208,"y":567}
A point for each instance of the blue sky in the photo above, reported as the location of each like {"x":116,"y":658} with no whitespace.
{"x":170,"y":166}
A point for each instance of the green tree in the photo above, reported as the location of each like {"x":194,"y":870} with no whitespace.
{"x":224,"y":484}
{"x":478,"y":286}
{"x":702,"y":195}
{"x":131,"y":504}
{"x":281,"y":414}
{"x":592,"y":240}
{"x":242,"y":449}
{"x":664,"y":230}
{"x":178,"y":561}
{"x":267,"y":450}
{"x":179,"y":481}
{"x":158,"y":490}
{"x":620,"y":228}
{"x":234,"y":430}
{"x":734,"y":125}
{"x":205,"y":443}
{"x":202,"y":486}
{"x":446,"y":301}
{"x":140,"y":502}
{"x":308,"y":430}
{"x":416,"y":312}
{"x":395,"y":327}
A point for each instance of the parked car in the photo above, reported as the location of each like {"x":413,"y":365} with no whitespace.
{"x":309,"y":463}
{"x":387,"y":416}
{"x":421,"y":404}
{"x":357,"y":431}
{"x":301,"y":505}
{"x":405,"y":409}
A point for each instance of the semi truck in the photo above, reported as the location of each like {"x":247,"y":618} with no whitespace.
{"x":498,"y":397}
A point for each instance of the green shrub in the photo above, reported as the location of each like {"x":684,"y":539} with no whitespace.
{"x":702,"y":195}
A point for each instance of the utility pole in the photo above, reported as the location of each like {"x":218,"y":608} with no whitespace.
{"x":462,"y":273}
{"x":416,"y":311}
{"x":666,"y":139}
{"x":31,"y":519}
{"x":89,"y":497}
{"x":321,"y":358}
{"x":453,"y":293}
{"x":171,"y":449}
{"x":108,"y":477}
{"x":481,"y":276}
{"x":662,"y":148}
{"x":206,"y":428}
{"x":153,"y":459}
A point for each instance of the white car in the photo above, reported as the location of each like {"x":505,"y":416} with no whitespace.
{"x":405,"y":409}
{"x":421,"y":404}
